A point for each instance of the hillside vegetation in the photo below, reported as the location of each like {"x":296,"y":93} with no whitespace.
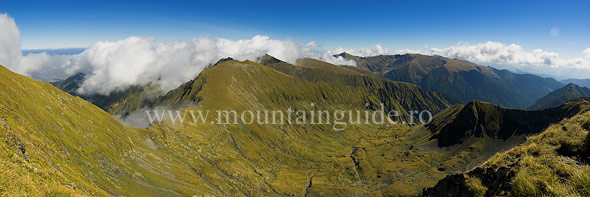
{"x":59,"y":144}
{"x":554,"y":163}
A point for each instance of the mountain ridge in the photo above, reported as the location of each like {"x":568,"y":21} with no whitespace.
{"x":259,"y":159}
{"x":481,"y":119}
{"x":460,"y":80}
{"x":554,"y":163}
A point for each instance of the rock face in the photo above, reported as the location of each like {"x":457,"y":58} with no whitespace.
{"x":586,"y":147}
{"x":484,"y":120}
{"x":496,"y":181}
{"x":553,"y":163}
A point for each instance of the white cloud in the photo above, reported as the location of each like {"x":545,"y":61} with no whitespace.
{"x":513,"y":54}
{"x":138,"y":61}
{"x":113,"y":66}
{"x":9,"y":42}
{"x":116,"y":65}
{"x":489,"y":52}
{"x":587,"y":53}
{"x":32,"y":64}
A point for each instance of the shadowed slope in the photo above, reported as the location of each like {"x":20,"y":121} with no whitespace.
{"x":480,"y":119}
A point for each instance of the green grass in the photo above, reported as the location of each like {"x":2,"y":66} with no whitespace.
{"x":78,"y":149}
{"x":553,"y":163}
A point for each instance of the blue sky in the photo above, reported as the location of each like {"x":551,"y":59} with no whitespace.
{"x":397,"y":25}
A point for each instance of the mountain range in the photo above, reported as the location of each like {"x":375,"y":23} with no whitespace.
{"x":59,"y":143}
{"x":459,"y":80}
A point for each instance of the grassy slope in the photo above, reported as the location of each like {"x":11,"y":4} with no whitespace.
{"x":56,"y":143}
{"x":106,"y":157}
{"x":330,"y":160}
{"x":409,"y":96}
{"x":402,"y":164}
{"x":553,"y":163}
{"x":99,"y":156}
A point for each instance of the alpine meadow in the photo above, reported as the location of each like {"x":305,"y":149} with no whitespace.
{"x":308,"y":98}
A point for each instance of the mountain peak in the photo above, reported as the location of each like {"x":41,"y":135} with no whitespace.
{"x":560,"y":96}
{"x":572,"y":85}
{"x":345,"y":55}
{"x":268,"y":59}
{"x":223,"y":60}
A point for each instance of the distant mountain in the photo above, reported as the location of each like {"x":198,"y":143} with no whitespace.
{"x":118,"y":102}
{"x":553,"y":163}
{"x":57,"y":144}
{"x":579,"y":82}
{"x":460,"y":80}
{"x":560,"y":96}
{"x":71,"y":84}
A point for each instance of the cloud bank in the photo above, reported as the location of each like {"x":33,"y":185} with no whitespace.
{"x":116,"y":65}
{"x":496,"y":53}
{"x":9,"y":42}
{"x":32,"y":64}
{"x":138,"y":61}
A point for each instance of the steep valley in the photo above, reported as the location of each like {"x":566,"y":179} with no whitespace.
{"x":55,"y":143}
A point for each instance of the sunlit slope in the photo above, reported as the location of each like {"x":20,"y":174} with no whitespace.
{"x":389,"y":160}
{"x":99,"y":156}
{"x":54,"y":143}
{"x":554,"y":163}
{"x":459,"y":139}
{"x":409,"y":96}
{"x":289,"y":158}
